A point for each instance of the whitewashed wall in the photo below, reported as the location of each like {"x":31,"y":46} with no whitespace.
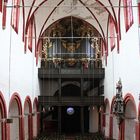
{"x":126,"y":64}
{"x":18,"y":71}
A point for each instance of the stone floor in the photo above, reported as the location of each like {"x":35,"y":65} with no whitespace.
{"x":55,"y":136}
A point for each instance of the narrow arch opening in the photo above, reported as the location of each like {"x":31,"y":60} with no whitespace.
{"x":130,"y":116}
{"x":15,"y":115}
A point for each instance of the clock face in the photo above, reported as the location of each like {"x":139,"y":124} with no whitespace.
{"x":70,"y":110}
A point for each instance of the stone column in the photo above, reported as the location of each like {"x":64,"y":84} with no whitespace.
{"x":59,"y":108}
{"x":59,"y":119}
{"x":82,"y":119}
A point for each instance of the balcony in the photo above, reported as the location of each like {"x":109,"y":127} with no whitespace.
{"x":70,"y":101}
{"x":71,"y":73}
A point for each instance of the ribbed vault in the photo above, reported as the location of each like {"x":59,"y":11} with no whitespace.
{"x":95,"y":12}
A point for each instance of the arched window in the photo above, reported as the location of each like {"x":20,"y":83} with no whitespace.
{"x":128,"y":14}
{"x":15,"y":14}
{"x":0,"y":5}
{"x":30,"y":34}
{"x":139,"y":11}
{"x":112,"y":33}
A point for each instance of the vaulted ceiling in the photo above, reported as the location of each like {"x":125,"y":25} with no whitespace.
{"x":95,"y":12}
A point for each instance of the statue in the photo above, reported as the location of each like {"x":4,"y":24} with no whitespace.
{"x":118,"y":108}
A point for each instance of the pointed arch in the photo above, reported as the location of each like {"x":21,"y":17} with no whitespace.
{"x":15,"y":14}
{"x":36,"y":103}
{"x":1,"y":5}
{"x":3,"y":111}
{"x":129,"y":97}
{"x":28,"y":100}
{"x":16,"y":100}
{"x":16,"y":97}
{"x":130,"y":115}
{"x":114,"y":129}
{"x":36,"y":124}
{"x":128,"y":14}
{"x":28,"y":118}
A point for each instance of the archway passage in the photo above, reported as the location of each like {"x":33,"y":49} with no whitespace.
{"x":28,"y":119}
{"x":15,"y":112}
{"x":130,"y":116}
{"x":35,"y":119}
{"x":71,"y":123}
{"x":3,"y":115}
{"x":69,"y":90}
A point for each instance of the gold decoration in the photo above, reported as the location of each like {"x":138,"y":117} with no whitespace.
{"x":71,"y":47}
{"x":71,"y":61}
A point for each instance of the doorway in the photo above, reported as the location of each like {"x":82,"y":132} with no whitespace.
{"x":70,"y":120}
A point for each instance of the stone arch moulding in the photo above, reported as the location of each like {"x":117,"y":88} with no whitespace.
{"x":28,"y":100}
{"x":16,"y":97}
{"x":30,"y":119}
{"x":3,"y":109}
{"x":35,"y":102}
{"x":128,"y":97}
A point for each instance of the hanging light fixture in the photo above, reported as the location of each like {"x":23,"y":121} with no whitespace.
{"x":118,"y":108}
{"x":70,"y":111}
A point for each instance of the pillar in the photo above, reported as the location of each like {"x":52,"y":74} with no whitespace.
{"x":82,"y":108}
{"x":59,"y":109}
{"x":82,"y":120}
{"x":59,"y":119}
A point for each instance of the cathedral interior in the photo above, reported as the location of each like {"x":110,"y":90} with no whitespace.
{"x":69,"y":70}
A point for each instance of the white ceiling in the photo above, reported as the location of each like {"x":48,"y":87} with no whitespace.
{"x":95,"y":12}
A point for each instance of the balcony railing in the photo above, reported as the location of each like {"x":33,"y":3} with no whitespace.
{"x":72,"y":101}
{"x":71,"y":73}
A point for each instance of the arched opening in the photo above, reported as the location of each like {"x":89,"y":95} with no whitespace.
{"x":15,"y":113}
{"x":93,"y":119}
{"x":107,"y":118}
{"x":114,"y":128}
{"x":3,"y":115}
{"x":130,"y":116}
{"x":70,"y":90}
{"x":35,"y":119}
{"x":26,"y":122}
{"x":27,"y":119}
{"x":0,"y":125}
{"x":70,"y":123}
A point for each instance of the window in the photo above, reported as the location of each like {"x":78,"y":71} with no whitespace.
{"x":112,"y":33}
{"x":0,"y":5}
{"x":139,"y":11}
{"x":128,"y":14}
{"x":30,"y":35}
{"x":15,"y":14}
